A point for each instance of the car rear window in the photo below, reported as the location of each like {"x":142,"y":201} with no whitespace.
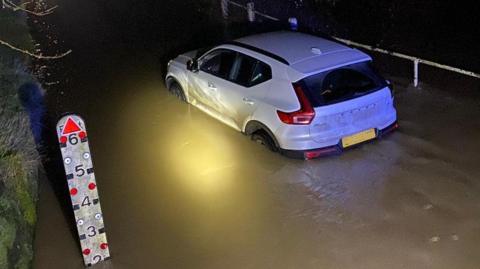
{"x":342,"y":84}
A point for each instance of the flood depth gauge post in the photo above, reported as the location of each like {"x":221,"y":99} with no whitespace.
{"x":77,"y":160}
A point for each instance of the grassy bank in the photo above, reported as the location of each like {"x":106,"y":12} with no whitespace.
{"x":19,"y":161}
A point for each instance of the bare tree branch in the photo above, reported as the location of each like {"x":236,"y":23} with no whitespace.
{"x":34,"y":55}
{"x":22,"y":7}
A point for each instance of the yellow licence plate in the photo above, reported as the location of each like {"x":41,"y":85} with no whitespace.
{"x":358,"y":138}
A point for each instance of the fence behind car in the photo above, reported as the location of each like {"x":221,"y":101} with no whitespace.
{"x":416,"y":60}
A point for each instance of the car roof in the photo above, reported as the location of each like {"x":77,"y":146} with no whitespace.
{"x":304,"y":53}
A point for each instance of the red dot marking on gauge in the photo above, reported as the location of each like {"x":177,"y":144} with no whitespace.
{"x":63,"y":139}
{"x":73,"y":192}
{"x":82,"y":135}
{"x":92,"y":186}
{"x":86,"y":251}
{"x":103,"y":245}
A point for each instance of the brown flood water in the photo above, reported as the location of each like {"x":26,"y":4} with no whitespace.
{"x":181,"y":190}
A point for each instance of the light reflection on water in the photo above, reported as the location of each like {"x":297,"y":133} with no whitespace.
{"x":220,"y":195}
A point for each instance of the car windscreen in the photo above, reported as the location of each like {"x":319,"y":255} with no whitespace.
{"x":341,"y":84}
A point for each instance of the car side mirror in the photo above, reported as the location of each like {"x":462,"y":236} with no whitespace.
{"x":192,"y":65}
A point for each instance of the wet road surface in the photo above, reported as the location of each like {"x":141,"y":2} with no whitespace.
{"x":180,"y":190}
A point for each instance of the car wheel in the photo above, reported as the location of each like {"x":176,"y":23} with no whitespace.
{"x":265,"y":140}
{"x":177,"y":91}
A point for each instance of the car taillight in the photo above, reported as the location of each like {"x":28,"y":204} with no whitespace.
{"x":304,"y":116}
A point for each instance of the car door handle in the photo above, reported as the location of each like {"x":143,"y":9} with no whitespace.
{"x":248,"y":101}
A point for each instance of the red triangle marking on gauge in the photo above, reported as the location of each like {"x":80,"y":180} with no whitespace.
{"x":71,"y":127}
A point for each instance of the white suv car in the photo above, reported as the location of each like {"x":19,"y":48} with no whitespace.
{"x":295,"y":93}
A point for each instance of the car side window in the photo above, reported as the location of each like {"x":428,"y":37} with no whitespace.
{"x":242,"y":70}
{"x":261,"y":73}
{"x":248,"y":71}
{"x":219,"y":63}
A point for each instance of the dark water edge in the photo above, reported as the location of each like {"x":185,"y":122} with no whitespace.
{"x":180,"y":190}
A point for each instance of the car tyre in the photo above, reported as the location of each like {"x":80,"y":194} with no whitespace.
{"x":265,"y":140}
{"x":178,"y":92}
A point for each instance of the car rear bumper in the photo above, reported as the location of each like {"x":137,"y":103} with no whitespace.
{"x":335,"y":149}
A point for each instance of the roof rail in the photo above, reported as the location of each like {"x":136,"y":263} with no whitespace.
{"x":258,"y":50}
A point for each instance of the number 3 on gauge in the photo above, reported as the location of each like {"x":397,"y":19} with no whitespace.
{"x":92,"y":231}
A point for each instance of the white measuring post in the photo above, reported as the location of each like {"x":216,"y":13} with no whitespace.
{"x":415,"y":72}
{"x":225,"y":12}
{"x":233,"y":3}
{"x":77,"y":160}
{"x":251,"y":11}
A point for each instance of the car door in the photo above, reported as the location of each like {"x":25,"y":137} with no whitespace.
{"x":243,"y":88}
{"x":214,"y":68}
